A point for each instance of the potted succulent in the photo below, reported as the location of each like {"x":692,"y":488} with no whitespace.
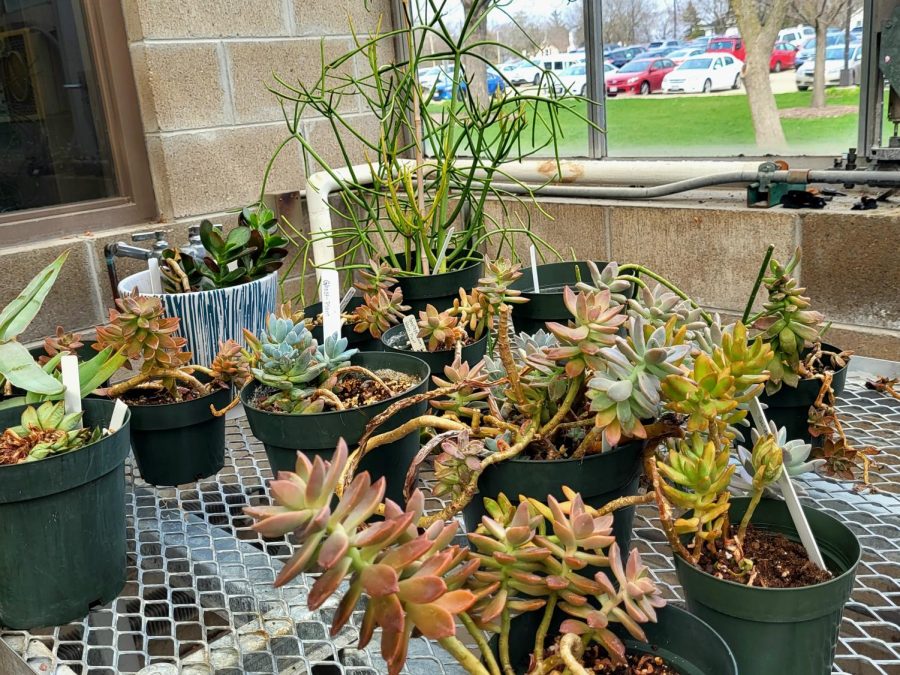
{"x":305,"y":395}
{"x":460,"y":334}
{"x":227,"y":287}
{"x":739,"y":560}
{"x":62,"y":484}
{"x":176,"y":433}
{"x":368,"y":316}
{"x":574,"y":406}
{"x":421,"y":203}
{"x":806,"y":374}
{"x":524,"y":563}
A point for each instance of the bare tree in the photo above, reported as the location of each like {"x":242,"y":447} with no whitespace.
{"x":759,"y":22}
{"x":820,"y":14}
{"x":628,"y":21}
{"x":717,"y":14}
{"x":475,"y":12}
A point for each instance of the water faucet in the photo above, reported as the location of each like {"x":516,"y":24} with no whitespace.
{"x":120,"y":249}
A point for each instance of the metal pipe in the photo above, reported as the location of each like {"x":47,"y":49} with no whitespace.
{"x":551,"y":178}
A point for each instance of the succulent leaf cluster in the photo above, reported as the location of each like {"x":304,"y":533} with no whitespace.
{"x":230,"y":364}
{"x":286,"y":357}
{"x":469,"y":397}
{"x":459,"y":459}
{"x":628,"y":390}
{"x":376,"y":277}
{"x":440,"y":330}
{"x":658,"y":305}
{"x":139,"y":329}
{"x":379,"y":311}
{"x":413,"y":580}
{"x":786,"y":323}
{"x":61,"y":342}
{"x":595,"y":322}
{"x":607,"y":279}
{"x":417,"y":582}
{"x":495,"y":284}
{"x":44,"y":431}
{"x":795,"y":457}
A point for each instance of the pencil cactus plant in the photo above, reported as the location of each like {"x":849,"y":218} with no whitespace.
{"x":525,"y":559}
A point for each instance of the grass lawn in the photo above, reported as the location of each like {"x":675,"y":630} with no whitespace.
{"x":709,"y":125}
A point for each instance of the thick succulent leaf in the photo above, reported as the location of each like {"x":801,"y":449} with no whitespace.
{"x":18,"y":366}
{"x":328,"y":583}
{"x":18,"y":314}
{"x":433,"y":621}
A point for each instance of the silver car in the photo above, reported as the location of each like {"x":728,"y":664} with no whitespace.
{"x":834,"y":64}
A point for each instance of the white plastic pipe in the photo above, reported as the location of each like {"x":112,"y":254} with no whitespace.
{"x":534,"y":173}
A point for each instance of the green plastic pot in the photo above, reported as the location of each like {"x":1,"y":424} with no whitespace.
{"x":779,"y":630}
{"x":685,"y":642}
{"x":531,"y":316}
{"x":789,"y":406}
{"x":62,"y":527}
{"x":598,"y":478}
{"x":396,"y":341}
{"x":178,"y":443}
{"x":317,"y":434}
{"x":364,"y":342}
{"x":439,"y":289}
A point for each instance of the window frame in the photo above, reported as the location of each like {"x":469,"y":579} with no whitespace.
{"x":136,"y":202}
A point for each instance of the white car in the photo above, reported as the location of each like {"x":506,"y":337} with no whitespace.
{"x":704,"y":74}
{"x":834,"y":64}
{"x":679,"y":56}
{"x":524,"y":72}
{"x":796,"y":36}
{"x":573,"y":80}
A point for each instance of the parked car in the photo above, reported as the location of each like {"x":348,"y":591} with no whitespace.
{"x":658,"y":53}
{"x":659,"y":44}
{"x":728,"y":45}
{"x":784,"y":54}
{"x":808,"y":51}
{"x":834,"y":64}
{"x":796,"y":36}
{"x":701,"y":41}
{"x":679,"y":55}
{"x":495,"y":86}
{"x":524,"y":72}
{"x":641,"y":76}
{"x":708,"y":72}
{"x":429,"y":76}
{"x":559,"y":62}
{"x":619,"y":57}
{"x":573,"y":80}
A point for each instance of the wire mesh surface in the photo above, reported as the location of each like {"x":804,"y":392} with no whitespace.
{"x":199,"y":597}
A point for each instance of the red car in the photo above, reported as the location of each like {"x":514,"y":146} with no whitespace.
{"x":784,"y":55}
{"x":728,"y":45}
{"x":640,"y":76}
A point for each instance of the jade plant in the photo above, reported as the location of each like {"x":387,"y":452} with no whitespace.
{"x":44,"y":431}
{"x":528,"y":558}
{"x":251,"y":250}
{"x":794,"y":331}
{"x":139,"y":330}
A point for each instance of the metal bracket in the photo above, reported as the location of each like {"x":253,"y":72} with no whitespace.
{"x":765,"y":193}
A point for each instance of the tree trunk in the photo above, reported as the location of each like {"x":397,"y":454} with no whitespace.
{"x":759,"y":38}
{"x":475,"y":68}
{"x":818,"y":95}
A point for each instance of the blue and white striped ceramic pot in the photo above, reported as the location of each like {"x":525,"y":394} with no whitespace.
{"x":211,"y":317}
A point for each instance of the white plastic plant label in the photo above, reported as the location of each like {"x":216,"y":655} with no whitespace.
{"x":412,"y":332}
{"x":534,"y":273}
{"x":118,"y":416}
{"x":330,"y":295}
{"x":155,"y":276}
{"x":348,"y":296}
{"x":68,"y":366}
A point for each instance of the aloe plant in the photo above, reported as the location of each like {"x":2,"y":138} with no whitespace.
{"x":17,"y":367}
{"x":522,"y":559}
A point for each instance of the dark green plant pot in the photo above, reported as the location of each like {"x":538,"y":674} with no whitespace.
{"x":598,"y":478}
{"x":789,"y":406}
{"x":317,"y":434}
{"x":779,"y":630}
{"x":685,"y":642}
{"x":396,"y":341}
{"x":364,"y":342}
{"x":179,"y":443}
{"x":531,"y":316}
{"x":62,"y":528}
{"x":438,"y":289}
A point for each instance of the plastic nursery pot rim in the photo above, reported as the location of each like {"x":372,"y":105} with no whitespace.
{"x":408,"y":350}
{"x":621,"y":447}
{"x":253,"y":384}
{"x":476,"y":256}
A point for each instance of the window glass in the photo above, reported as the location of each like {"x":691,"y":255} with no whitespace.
{"x":54,"y":147}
